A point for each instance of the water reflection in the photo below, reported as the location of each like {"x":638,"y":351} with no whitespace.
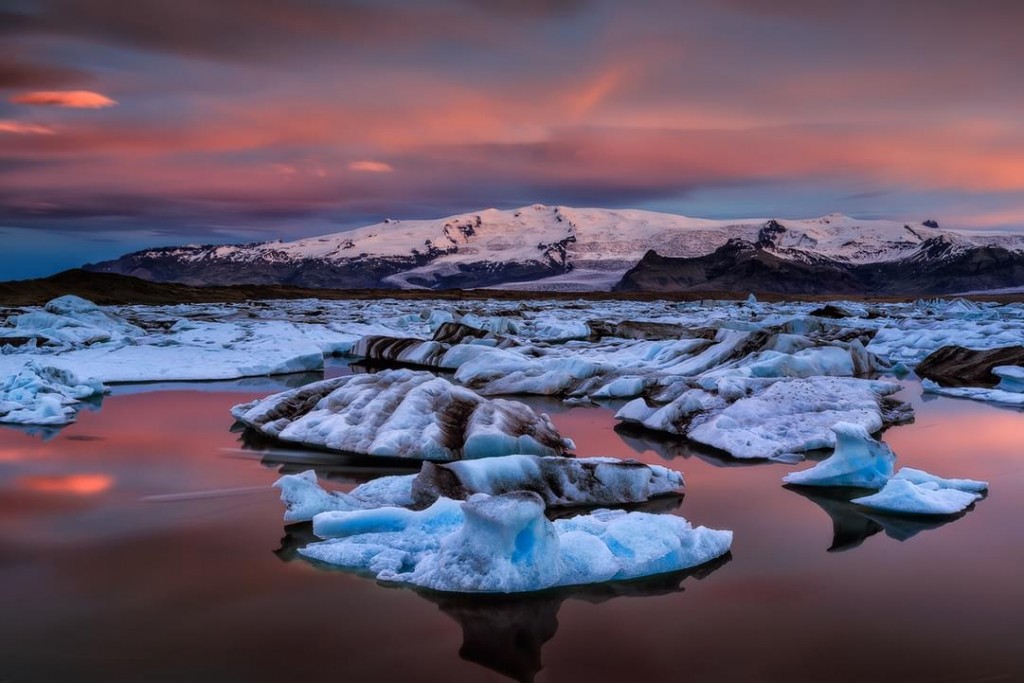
{"x":507,"y":633}
{"x":852,"y":523}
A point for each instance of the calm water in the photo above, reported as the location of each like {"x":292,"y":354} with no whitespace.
{"x":143,"y":544}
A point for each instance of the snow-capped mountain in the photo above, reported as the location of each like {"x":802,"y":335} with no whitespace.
{"x":541,"y":247}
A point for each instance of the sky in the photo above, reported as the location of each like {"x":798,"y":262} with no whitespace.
{"x":125,"y":125}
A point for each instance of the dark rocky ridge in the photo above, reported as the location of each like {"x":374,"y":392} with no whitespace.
{"x":937,"y":268}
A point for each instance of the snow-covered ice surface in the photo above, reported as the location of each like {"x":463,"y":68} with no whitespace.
{"x":559,"y":481}
{"x":42,"y":395}
{"x":505,"y":544}
{"x":691,"y":365}
{"x":402,"y":414}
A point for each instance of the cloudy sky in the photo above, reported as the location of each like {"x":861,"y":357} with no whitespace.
{"x":126,"y":124}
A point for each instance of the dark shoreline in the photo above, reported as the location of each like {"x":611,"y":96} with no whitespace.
{"x":112,"y":289}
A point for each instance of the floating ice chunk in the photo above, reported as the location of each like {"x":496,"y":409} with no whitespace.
{"x":794,"y":416}
{"x":69,"y":321}
{"x":903,"y":496}
{"x":505,"y":544}
{"x":560,"y":330}
{"x":42,"y":395}
{"x":673,"y":418}
{"x":859,"y":461}
{"x":996,"y":395}
{"x":1011,"y":378}
{"x":922,"y":477}
{"x":623,"y":387}
{"x":404,"y":414}
{"x":558,"y":481}
{"x":304,"y":498}
{"x":505,"y":372}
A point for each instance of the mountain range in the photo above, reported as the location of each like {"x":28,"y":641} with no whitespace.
{"x":567,"y":249}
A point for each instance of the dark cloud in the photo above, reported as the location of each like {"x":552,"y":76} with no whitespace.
{"x":269,"y":30}
{"x":17,"y":73}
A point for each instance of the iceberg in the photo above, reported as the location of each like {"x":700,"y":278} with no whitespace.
{"x":774,"y":419}
{"x":903,"y":496}
{"x":923,"y":478}
{"x":402,"y":414}
{"x":505,"y":544}
{"x":997,"y":395}
{"x":559,"y":481}
{"x":42,"y":395}
{"x":1011,"y":378}
{"x":858,"y":461}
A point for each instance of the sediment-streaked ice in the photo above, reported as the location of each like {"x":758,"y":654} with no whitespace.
{"x":559,"y":481}
{"x":758,"y":420}
{"x":403,"y":414}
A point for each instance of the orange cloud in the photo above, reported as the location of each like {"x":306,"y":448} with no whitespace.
{"x":370,"y":167}
{"x":75,"y":99}
{"x":24,"y":128}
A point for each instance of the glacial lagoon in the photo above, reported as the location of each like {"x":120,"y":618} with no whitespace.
{"x":144,"y":542}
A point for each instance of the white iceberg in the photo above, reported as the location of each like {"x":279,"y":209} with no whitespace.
{"x":42,"y":395}
{"x":559,"y":481}
{"x":402,"y":414}
{"x":505,"y":544}
{"x":858,"y":461}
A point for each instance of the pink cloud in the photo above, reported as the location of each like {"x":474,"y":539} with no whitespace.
{"x":370,"y":167}
{"x":75,"y":99}
{"x":24,"y":128}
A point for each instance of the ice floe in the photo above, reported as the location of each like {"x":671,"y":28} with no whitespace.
{"x":858,"y":461}
{"x":777,"y":419}
{"x":903,"y":496}
{"x":402,"y":414}
{"x":37,"y":394}
{"x":997,"y":395}
{"x":559,"y":481}
{"x":505,"y":544}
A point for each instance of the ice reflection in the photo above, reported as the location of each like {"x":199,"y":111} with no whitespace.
{"x":852,"y":523}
